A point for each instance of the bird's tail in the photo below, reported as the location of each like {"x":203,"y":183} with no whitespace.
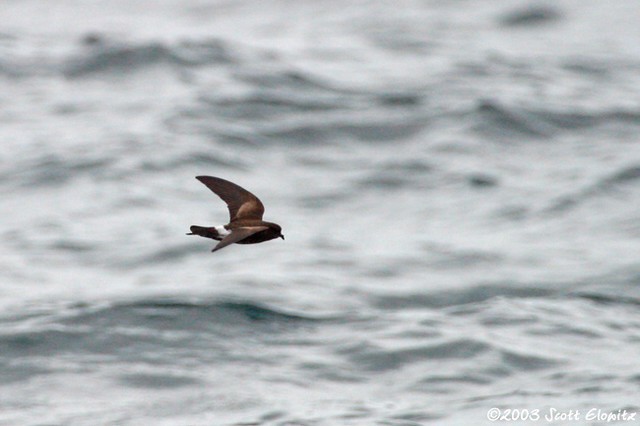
{"x":203,"y":231}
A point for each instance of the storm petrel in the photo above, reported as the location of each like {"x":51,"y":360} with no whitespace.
{"x":245,"y":216}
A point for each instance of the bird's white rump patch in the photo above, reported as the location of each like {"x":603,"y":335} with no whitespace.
{"x":222,"y":231}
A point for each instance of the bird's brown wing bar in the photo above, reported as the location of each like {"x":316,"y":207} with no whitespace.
{"x":238,"y":234}
{"x":241,"y":203}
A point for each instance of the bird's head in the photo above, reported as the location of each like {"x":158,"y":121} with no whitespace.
{"x":278,"y":229}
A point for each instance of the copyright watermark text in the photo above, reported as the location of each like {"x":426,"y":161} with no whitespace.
{"x":554,"y":415}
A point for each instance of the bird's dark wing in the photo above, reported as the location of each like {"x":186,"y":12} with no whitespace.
{"x":238,"y":234}
{"x":241,"y":203}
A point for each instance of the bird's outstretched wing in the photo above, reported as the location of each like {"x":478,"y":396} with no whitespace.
{"x":238,"y":234}
{"x":241,"y":203}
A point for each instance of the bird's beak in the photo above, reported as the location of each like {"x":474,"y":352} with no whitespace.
{"x":282,"y":236}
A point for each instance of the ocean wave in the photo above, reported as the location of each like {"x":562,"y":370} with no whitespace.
{"x":357,"y":126}
{"x":59,"y":169}
{"x":497,"y":119}
{"x":617,"y":180}
{"x":115,"y":328}
{"x":99,"y":55}
{"x":158,"y":380}
{"x":503,"y":121}
{"x":396,"y":174}
{"x":519,"y":361}
{"x":193,"y":159}
{"x":608,"y":299}
{"x":264,"y":103}
{"x":11,"y":373}
{"x":198,"y":313}
{"x":469,"y":295}
{"x":530,"y":16}
{"x":482,"y":180}
{"x":122,"y":313}
{"x":284,"y":78}
{"x":377,"y":359}
{"x":305,"y":116}
{"x":327,"y":127}
{"x":103,"y":55}
{"x":53,"y":169}
{"x":586,"y":119}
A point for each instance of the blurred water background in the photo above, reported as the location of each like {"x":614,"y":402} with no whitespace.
{"x":458,"y":182}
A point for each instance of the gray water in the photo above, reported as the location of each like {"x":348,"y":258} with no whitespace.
{"x":458,"y":183}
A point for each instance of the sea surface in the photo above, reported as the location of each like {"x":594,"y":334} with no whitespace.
{"x":458,"y":183}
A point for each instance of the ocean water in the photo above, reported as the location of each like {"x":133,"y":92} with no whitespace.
{"x":458,"y":183}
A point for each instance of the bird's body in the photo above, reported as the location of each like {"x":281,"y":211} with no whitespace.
{"x":245,"y":211}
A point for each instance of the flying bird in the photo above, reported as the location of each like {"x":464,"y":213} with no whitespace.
{"x":245,"y":216}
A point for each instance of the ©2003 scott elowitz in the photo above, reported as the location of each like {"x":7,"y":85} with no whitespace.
{"x":555,"y":415}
